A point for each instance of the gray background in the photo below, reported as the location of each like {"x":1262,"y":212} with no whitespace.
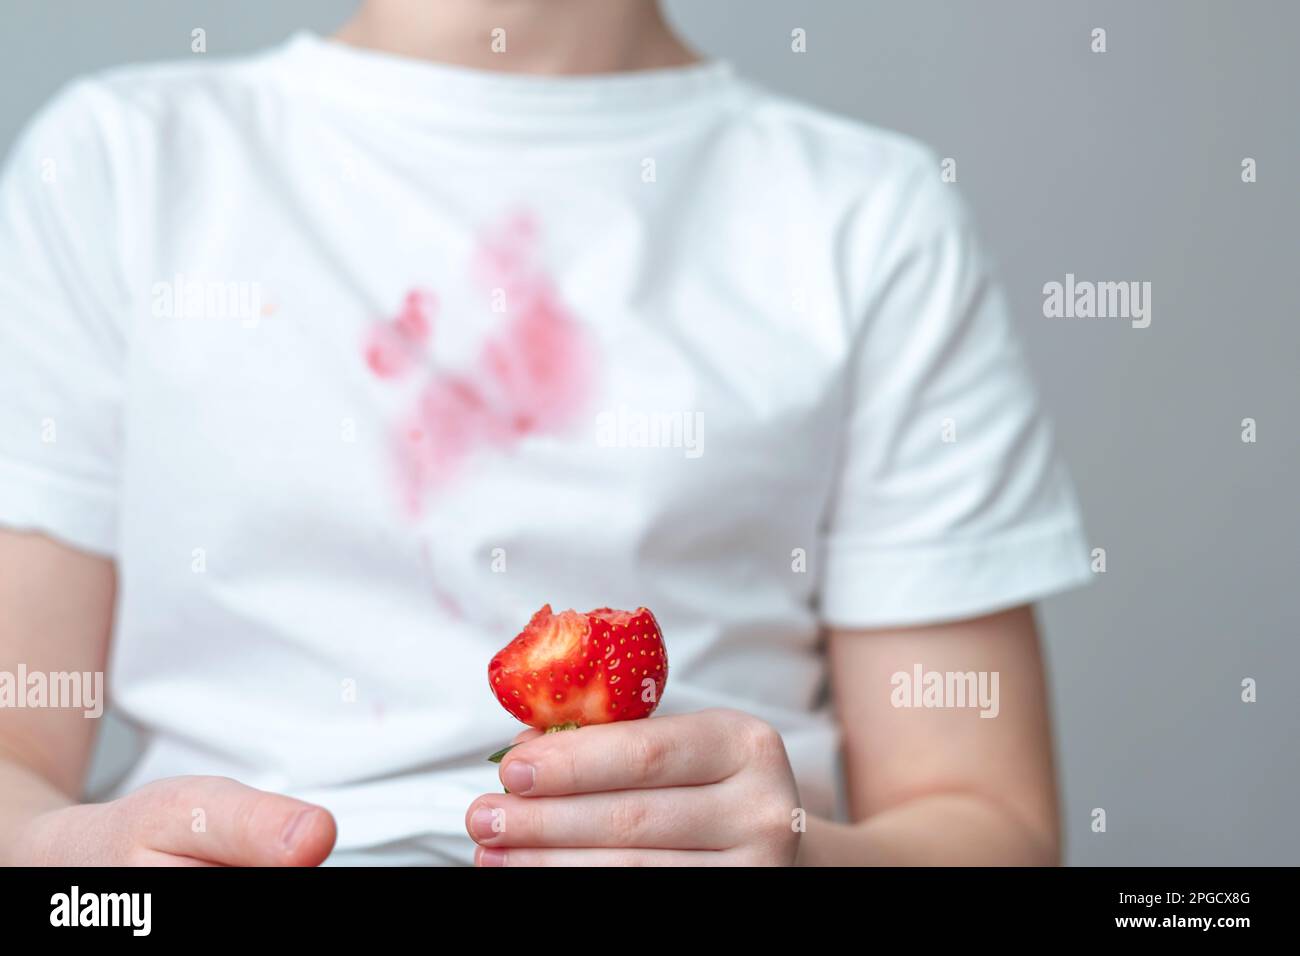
{"x":1115,"y":166}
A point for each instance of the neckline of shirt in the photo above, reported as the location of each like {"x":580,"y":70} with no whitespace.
{"x":412,"y":86}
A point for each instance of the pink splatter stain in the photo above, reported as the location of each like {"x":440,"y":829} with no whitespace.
{"x":445,"y":599}
{"x":532,"y":374}
{"x":394,"y":347}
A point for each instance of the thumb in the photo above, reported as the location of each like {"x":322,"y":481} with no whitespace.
{"x":223,"y":821}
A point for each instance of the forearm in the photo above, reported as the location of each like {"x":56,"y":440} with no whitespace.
{"x":56,"y":613}
{"x":24,"y":795}
{"x":942,"y":829}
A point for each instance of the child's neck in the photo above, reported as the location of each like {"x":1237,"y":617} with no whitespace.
{"x":522,"y":36}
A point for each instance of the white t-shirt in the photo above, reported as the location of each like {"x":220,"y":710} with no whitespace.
{"x":352,"y":362}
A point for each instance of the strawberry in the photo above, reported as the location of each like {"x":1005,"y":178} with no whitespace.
{"x":569,"y":669}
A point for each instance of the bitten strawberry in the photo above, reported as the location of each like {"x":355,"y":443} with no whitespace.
{"x":569,"y":669}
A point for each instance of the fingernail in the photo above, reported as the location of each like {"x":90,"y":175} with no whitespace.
{"x":292,"y":827}
{"x":490,"y":856}
{"x":482,"y":823}
{"x":519,"y":777}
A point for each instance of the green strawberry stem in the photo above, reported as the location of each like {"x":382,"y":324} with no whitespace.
{"x":497,"y":757}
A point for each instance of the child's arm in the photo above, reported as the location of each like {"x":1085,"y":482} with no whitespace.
{"x":943,"y":785}
{"x":56,"y":609}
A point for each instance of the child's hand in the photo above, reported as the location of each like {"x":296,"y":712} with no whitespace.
{"x":182,"y":821}
{"x":701,"y":789}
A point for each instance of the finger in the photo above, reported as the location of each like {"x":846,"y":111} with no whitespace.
{"x":678,"y":818}
{"x":678,"y":751}
{"x":495,"y":856}
{"x":523,"y":735}
{"x":224,"y":821}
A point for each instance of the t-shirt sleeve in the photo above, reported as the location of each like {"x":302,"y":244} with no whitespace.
{"x":950,"y":499}
{"x":62,"y":299}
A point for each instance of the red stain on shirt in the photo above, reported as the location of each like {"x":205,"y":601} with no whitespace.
{"x":393,"y":348}
{"x":541,"y":367}
{"x":445,"y":599}
{"x":532,"y":374}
